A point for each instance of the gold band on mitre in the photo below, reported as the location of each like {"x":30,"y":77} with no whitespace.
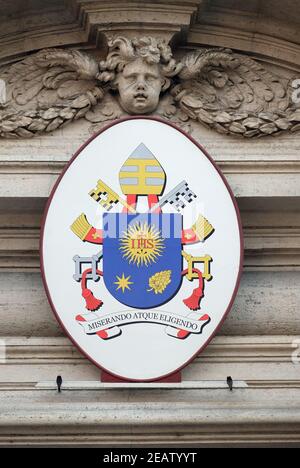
{"x":142,"y":174}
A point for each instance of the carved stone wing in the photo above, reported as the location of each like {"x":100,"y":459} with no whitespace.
{"x":47,"y":90}
{"x":234,"y":94}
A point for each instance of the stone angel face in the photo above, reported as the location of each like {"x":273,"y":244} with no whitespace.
{"x":140,"y":70}
{"x":228,"y":92}
{"x":139,"y":87}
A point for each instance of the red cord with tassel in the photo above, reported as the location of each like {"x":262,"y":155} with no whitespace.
{"x":193,"y":302}
{"x":92,"y":303}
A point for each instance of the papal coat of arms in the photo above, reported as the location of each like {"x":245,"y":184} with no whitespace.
{"x":142,"y":253}
{"x":141,"y":249}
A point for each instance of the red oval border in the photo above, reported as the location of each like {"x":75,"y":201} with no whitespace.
{"x":116,"y":122}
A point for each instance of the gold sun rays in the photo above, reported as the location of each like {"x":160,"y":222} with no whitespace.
{"x":141,"y":244}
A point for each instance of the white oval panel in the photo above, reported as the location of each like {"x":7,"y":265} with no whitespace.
{"x":147,"y":269}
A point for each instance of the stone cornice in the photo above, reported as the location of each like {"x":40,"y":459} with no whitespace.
{"x":137,"y":424}
{"x":261,"y":361}
{"x":249,"y":31}
{"x":272,"y":49}
{"x":263,"y":407}
{"x":84,"y":24}
{"x":274,"y":246}
{"x":163,"y":18}
{"x":37,"y":29}
{"x":261,"y":166}
{"x":91,"y":22}
{"x":223,"y":349}
{"x":250,"y":178}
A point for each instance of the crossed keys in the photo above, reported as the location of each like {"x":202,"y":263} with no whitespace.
{"x":177,"y":198}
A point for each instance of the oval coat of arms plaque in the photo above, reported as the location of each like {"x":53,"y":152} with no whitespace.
{"x":141,"y":249}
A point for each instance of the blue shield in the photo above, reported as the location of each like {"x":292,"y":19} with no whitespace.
{"x":142,"y":259}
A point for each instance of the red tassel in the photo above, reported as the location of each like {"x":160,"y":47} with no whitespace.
{"x":193,"y":302}
{"x":92,"y":303}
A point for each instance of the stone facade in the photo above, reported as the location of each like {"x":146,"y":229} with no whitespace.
{"x":258,"y":343}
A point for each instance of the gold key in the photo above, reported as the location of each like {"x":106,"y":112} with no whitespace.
{"x":106,"y":197}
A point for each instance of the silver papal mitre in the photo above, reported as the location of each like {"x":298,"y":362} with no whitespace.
{"x":142,"y":174}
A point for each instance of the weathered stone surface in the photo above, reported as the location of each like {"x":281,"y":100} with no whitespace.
{"x":266,"y":167}
{"x":121,"y":418}
{"x":267,"y":303}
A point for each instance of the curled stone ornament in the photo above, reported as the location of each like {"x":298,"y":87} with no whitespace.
{"x":228,"y":92}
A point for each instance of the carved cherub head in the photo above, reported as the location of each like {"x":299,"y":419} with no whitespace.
{"x":139,"y":69}
{"x":228,"y":92}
